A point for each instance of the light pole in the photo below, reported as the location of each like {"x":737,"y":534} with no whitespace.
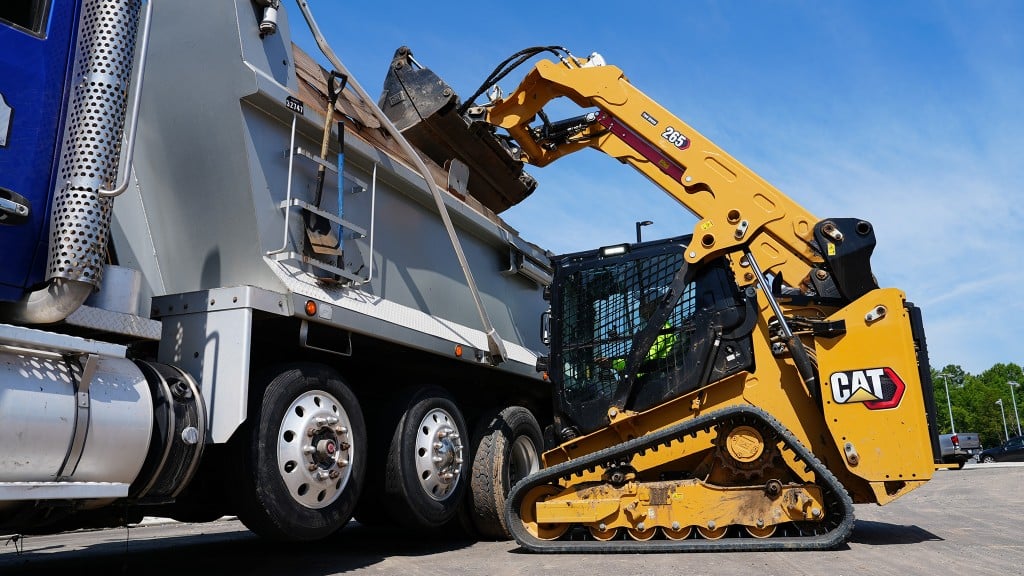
{"x":639,"y":225}
{"x":1013,"y":400}
{"x":949,"y":404}
{"x":1006,"y":432}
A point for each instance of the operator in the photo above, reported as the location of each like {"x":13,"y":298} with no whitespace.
{"x":664,"y":343}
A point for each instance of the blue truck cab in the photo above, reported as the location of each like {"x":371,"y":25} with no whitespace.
{"x":37,"y":39}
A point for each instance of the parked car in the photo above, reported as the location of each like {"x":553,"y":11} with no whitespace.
{"x":1010,"y":451}
{"x":959,"y":448}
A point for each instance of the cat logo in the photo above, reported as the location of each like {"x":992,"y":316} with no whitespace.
{"x":876,"y":388}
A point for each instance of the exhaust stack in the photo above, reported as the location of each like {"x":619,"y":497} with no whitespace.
{"x":89,"y":157}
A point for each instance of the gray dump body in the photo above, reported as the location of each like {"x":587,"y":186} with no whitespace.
{"x":207,"y":221}
{"x":218,"y":358}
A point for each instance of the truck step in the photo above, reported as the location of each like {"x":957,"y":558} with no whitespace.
{"x":53,"y":342}
{"x":61,"y":490}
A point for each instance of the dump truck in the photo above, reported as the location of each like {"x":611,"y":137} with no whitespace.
{"x":232,"y":287}
{"x":737,"y":388}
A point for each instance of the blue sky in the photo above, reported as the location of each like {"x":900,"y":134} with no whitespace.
{"x":907,"y":114}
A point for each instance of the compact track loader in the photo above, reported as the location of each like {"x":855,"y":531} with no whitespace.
{"x":737,"y":388}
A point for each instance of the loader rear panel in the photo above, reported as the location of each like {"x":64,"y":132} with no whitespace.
{"x":872,"y":395}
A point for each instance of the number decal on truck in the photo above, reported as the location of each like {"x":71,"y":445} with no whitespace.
{"x":295,"y":105}
{"x":676,"y":138}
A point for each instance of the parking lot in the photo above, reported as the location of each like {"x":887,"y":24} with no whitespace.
{"x":962,"y":522}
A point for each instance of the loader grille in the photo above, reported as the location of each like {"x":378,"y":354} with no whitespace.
{"x":600,"y":304}
{"x":603,"y":309}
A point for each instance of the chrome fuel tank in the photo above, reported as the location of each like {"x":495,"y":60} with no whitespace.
{"x":42,"y":403}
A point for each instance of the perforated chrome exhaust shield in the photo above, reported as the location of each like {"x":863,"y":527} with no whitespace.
{"x":90,"y":149}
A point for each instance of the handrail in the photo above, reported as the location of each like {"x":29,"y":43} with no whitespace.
{"x":288,"y":190}
{"x":133,"y":122}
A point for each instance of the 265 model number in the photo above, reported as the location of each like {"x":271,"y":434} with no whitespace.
{"x":675,"y":137}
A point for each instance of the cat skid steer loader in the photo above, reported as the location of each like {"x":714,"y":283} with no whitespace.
{"x":795,"y":386}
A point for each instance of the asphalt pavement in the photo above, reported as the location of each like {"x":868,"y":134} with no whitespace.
{"x":962,"y":522}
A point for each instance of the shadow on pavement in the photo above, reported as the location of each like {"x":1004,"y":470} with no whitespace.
{"x":237,"y":552}
{"x":883,"y":533}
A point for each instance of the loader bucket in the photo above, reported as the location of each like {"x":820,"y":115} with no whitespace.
{"x":425,"y":109}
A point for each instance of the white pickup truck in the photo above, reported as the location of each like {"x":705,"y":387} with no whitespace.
{"x":960,"y":447}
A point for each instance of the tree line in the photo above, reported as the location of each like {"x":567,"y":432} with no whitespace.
{"x":975,"y":401}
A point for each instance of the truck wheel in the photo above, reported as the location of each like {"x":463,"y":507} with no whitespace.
{"x":507,"y":448}
{"x":426,"y":464}
{"x":301,"y":457}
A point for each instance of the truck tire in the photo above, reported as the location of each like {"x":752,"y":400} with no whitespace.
{"x":427,"y":465}
{"x":507,"y":446}
{"x":300,"y":458}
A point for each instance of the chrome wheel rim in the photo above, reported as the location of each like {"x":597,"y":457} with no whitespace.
{"x":438,"y":454}
{"x":314,"y":449}
{"x":523,"y":460}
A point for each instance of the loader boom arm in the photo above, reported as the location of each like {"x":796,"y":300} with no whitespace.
{"x":735,"y":206}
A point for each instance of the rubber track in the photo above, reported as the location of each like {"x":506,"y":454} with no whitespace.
{"x":837,"y":501}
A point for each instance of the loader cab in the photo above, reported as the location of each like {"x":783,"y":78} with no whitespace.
{"x":36,"y":44}
{"x":601,"y":299}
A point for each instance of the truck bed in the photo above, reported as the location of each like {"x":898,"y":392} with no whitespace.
{"x":213,"y":218}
